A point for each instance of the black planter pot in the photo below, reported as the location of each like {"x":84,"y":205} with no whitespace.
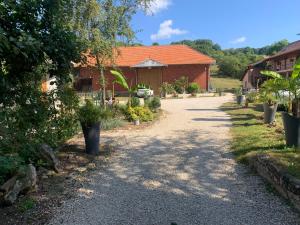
{"x":92,"y":138}
{"x":270,"y":112}
{"x":240,"y":99}
{"x":292,"y":129}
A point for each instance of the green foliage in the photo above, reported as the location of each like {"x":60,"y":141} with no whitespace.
{"x":39,"y":39}
{"x":252,"y":97}
{"x":238,"y":91}
{"x":142,"y":86}
{"x":143,"y":114}
{"x":181,"y":84}
{"x":26,"y":204}
{"x":37,"y":42}
{"x":279,"y":83}
{"x":269,"y":91}
{"x":153,"y":103}
{"x":193,"y":88}
{"x":9,"y":165}
{"x":111,"y":123}
{"x":225,"y":83}
{"x":251,"y":137}
{"x":167,"y":88}
{"x":90,"y":113}
{"x":120,"y":79}
{"x":232,"y":62}
{"x":135,"y":101}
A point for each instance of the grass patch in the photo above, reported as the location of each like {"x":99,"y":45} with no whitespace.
{"x":26,"y":204}
{"x":225,"y":83}
{"x":112,"y":123}
{"x":251,"y":136}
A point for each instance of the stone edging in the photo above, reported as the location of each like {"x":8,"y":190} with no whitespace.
{"x":287,"y":185}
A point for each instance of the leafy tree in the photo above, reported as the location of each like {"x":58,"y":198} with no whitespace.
{"x":105,"y":25}
{"x":273,"y":48}
{"x":232,"y":62}
{"x":37,"y":41}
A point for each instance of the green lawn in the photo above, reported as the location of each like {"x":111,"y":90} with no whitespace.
{"x":225,"y":83}
{"x":251,"y":136}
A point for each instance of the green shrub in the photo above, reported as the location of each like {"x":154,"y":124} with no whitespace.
{"x":193,"y":88}
{"x":90,"y":113}
{"x":154,"y":103}
{"x":143,"y":114}
{"x":26,"y":204}
{"x":238,"y":91}
{"x":181,"y":84}
{"x":135,"y":101}
{"x":167,"y":88}
{"x":9,"y":166}
{"x":252,"y":97}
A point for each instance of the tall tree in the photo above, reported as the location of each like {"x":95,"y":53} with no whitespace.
{"x":105,"y":26}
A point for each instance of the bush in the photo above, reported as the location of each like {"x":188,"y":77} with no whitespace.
{"x":181,"y":84}
{"x":135,"y":102}
{"x":90,"y":113}
{"x":143,"y":114}
{"x":167,"y":88}
{"x":9,"y":166}
{"x":252,"y":97}
{"x":193,"y":88}
{"x":153,"y":103}
{"x":238,"y":91}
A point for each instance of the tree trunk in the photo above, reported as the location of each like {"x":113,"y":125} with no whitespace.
{"x":103,"y":87}
{"x":102,"y":80}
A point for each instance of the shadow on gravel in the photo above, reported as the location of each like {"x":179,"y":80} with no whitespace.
{"x":187,"y":180}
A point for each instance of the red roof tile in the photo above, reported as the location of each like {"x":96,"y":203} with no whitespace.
{"x":165,"y":54}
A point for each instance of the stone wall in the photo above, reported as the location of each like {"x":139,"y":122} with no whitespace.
{"x":287,"y":185}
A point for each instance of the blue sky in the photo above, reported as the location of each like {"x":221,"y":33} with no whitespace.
{"x":230,"y":23}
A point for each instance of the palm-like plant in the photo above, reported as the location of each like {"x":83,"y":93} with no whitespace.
{"x":121,"y":80}
{"x":291,"y":84}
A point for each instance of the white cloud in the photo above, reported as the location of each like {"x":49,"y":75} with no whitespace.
{"x":239,"y":40}
{"x":156,"y":6}
{"x":166,"y":31}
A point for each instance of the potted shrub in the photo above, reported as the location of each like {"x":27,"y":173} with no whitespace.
{"x":251,"y":97}
{"x":193,"y":89}
{"x":90,"y":117}
{"x":269,"y":96}
{"x":290,"y":90}
{"x":181,"y":84}
{"x":136,"y":119}
{"x":153,"y":103}
{"x":240,"y":97}
{"x":166,"y":89}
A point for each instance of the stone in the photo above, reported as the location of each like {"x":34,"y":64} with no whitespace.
{"x":47,"y":154}
{"x":91,"y":166}
{"x":81,"y":169}
{"x":21,"y":183}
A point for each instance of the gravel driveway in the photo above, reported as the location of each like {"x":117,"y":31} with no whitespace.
{"x":178,"y":171}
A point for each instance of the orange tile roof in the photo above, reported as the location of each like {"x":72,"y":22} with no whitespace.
{"x":165,"y":54}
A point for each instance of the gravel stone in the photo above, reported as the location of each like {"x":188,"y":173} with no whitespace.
{"x":178,"y":171}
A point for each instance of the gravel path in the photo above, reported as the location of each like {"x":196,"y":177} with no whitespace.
{"x":178,"y":171}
